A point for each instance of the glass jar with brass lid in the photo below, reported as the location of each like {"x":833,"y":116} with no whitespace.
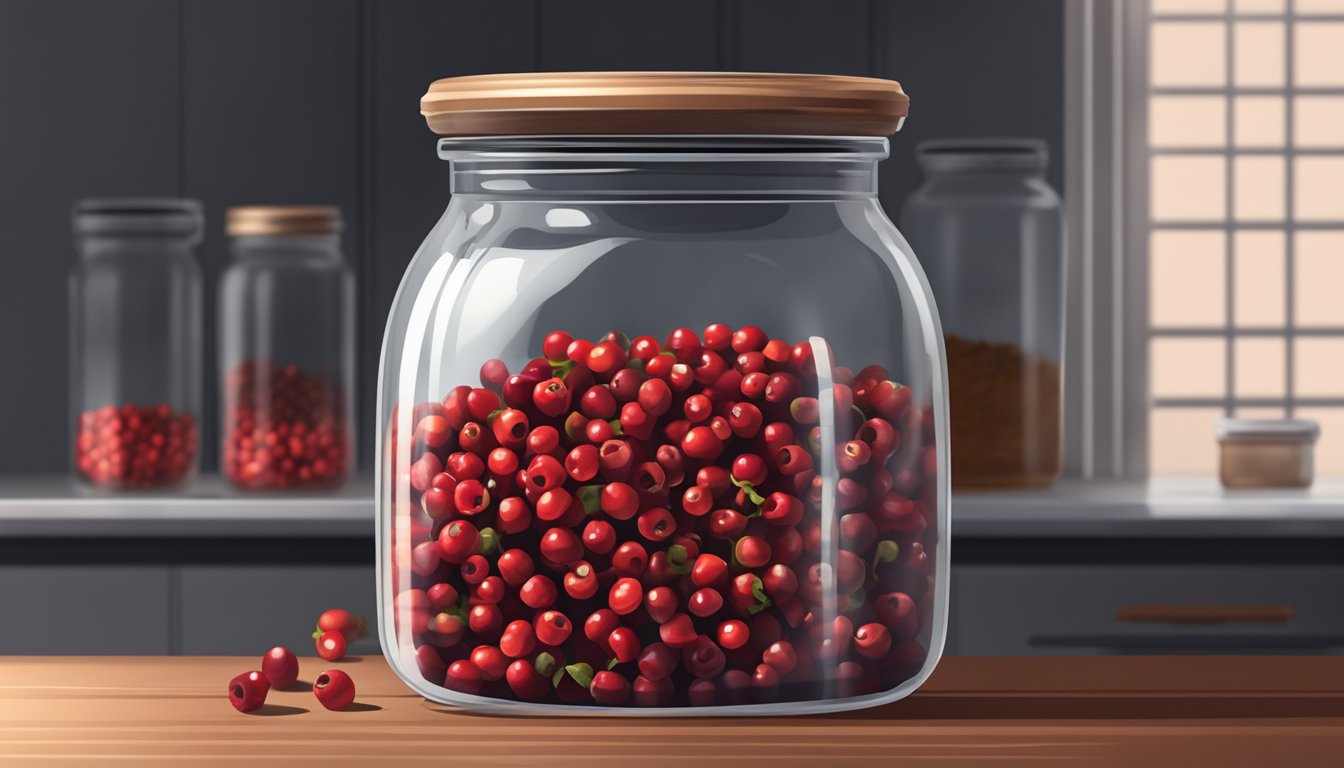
{"x":286,"y":350}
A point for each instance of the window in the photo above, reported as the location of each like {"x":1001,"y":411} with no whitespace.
{"x":1243,"y":222}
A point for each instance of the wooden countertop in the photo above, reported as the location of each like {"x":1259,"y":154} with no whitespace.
{"x":1150,"y":711}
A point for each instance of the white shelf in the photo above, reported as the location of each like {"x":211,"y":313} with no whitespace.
{"x":1188,"y":507}
{"x":1195,"y":507}
{"x":54,"y":506}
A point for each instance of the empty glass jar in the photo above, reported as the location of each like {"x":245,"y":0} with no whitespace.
{"x":989,"y":228}
{"x":135,"y":339}
{"x":662,"y":414}
{"x":286,"y":351}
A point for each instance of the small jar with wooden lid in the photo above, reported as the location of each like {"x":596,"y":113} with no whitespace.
{"x":286,"y":351}
{"x":662,"y":411}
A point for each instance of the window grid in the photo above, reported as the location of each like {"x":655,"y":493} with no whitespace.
{"x":1289,"y":224}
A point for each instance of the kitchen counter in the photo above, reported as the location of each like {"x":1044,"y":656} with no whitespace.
{"x":1155,"y":711}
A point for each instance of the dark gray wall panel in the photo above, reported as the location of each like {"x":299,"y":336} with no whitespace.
{"x":271,"y":115}
{"x":247,"y":609}
{"x":413,"y":43}
{"x":618,"y":34}
{"x":972,"y":68}
{"x":88,"y":106}
{"x":79,"y":609}
{"x":826,"y":38}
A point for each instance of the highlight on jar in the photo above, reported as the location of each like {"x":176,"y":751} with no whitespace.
{"x":135,"y":293}
{"x":636,"y":523}
{"x":286,"y":351}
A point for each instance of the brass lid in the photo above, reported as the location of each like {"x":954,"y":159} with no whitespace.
{"x":284,"y":220}
{"x":664,"y":103}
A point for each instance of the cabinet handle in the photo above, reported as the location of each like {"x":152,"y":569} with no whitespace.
{"x":1199,"y":613}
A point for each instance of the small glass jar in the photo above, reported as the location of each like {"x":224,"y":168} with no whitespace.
{"x":662,"y":405}
{"x":135,"y":340}
{"x":286,"y":350}
{"x":1267,"y":453}
{"x":990,"y":229}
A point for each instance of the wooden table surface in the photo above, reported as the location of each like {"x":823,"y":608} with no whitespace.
{"x":1150,"y":711}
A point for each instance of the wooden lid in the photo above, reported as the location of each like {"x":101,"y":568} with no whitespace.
{"x":664,"y":103}
{"x":256,"y":220}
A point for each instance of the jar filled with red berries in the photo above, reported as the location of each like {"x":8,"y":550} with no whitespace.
{"x":286,"y":354}
{"x":662,"y":412}
{"x":135,"y":337}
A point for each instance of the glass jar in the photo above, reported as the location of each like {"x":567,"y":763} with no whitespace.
{"x":286,"y":350}
{"x":990,"y":230}
{"x":135,"y":340}
{"x":662,"y":418}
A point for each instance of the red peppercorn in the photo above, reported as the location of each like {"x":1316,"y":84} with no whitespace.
{"x":619,"y":501}
{"x":490,"y":661}
{"x":330,"y":645}
{"x":599,"y":537}
{"x":657,"y":661}
{"x":445,"y":629}
{"x":555,"y":344}
{"x":463,"y":676}
{"x":543,"y":439}
{"x":656,"y":524}
{"x":682,"y":339}
{"x":581,"y":582}
{"x":750,"y":468}
{"x":457,"y":541}
{"x":606,"y":357}
{"x":655,"y":397}
{"x":582,"y":463}
{"x":553,"y":504}
{"x":334,"y":689}
{"x":518,"y":639}
{"x":705,"y":602}
{"x":538,"y":592}
{"x":609,"y":689}
{"x":515,"y":566}
{"x":560,"y":546}
{"x":486,"y":620}
{"x":660,"y":603}
{"x":709,"y":570}
{"x":752,"y":551}
{"x":727,"y":523}
{"x":247,"y":692}
{"x":514,"y":515}
{"x":280,"y":666}
{"x":491,"y":590}
{"x":678,"y":631}
{"x":625,"y":596}
{"x":733,"y":634}
{"x":702,"y":443}
{"x":624,"y":644}
{"x":599,"y":624}
{"x":551,"y":397}
{"x":630,"y":559}
{"x":749,"y":338}
{"x":553,"y":628}
{"x":475,"y":569}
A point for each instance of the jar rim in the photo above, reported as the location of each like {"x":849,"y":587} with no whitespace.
{"x":663,"y":148}
{"x":982,"y":153}
{"x":686,"y":103}
{"x":138,"y":217}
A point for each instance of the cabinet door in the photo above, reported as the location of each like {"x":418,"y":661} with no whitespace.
{"x":74,"y":609}
{"x":1021,"y":610}
{"x":246,"y":609}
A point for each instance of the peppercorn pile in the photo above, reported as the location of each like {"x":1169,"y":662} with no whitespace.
{"x":286,"y":428}
{"x":135,"y":446}
{"x":632,"y":523}
{"x":1006,"y":415}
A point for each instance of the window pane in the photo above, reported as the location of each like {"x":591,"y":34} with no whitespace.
{"x":1187,"y":121}
{"x":1318,"y":366}
{"x":1318,"y":188}
{"x":1319,"y":6}
{"x":1191,"y":188}
{"x":1258,"y":6}
{"x":1260,"y":192}
{"x":1257,"y":48}
{"x":1259,"y":121}
{"x":1189,"y":6}
{"x":1330,"y":445}
{"x":1189,"y":53}
{"x":1181,"y":442}
{"x":1316,"y":53}
{"x":1187,"y":285}
{"x":1318,"y":278}
{"x":1259,"y":367}
{"x":1189,"y":367}
{"x":1318,"y":121}
{"x":1258,"y":282}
